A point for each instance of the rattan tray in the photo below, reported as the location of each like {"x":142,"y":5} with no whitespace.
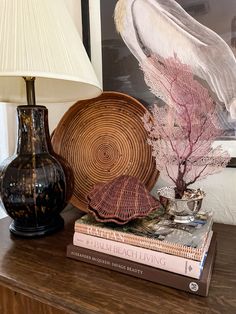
{"x":103,"y":138}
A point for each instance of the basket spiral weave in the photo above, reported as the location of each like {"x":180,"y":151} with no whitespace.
{"x":103,"y":138}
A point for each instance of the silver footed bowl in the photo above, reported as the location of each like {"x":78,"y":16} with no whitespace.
{"x":184,"y":210}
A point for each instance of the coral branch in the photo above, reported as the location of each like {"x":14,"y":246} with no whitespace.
{"x":181,"y":134}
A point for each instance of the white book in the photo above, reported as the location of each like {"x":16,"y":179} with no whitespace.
{"x":168,"y":262}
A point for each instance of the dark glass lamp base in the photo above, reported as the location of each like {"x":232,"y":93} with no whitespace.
{"x":30,"y":232}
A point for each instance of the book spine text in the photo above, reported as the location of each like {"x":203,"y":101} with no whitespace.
{"x":196,"y":286}
{"x":149,"y":243}
{"x":140,"y":255}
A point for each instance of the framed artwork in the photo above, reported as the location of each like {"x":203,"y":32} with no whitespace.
{"x":119,"y":69}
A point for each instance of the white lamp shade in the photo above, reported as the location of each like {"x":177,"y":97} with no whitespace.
{"x":39,"y":39}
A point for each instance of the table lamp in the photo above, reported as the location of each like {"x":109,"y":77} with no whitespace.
{"x":39,"y":44}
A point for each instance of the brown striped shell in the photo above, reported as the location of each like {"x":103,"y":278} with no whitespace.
{"x":121,"y":200}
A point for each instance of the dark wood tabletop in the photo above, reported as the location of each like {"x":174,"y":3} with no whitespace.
{"x":39,"y":269}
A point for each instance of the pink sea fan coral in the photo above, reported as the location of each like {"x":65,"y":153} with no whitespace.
{"x":182,"y":133}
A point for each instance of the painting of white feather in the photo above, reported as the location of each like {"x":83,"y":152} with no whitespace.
{"x":202,"y":33}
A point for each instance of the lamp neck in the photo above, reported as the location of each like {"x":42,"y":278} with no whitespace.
{"x":33,"y":133}
{"x":30,"y":91}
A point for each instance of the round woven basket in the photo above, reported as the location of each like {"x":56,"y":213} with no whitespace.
{"x":103,"y":138}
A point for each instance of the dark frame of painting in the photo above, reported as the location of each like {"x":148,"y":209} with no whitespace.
{"x":87,"y":44}
{"x":86,"y":26}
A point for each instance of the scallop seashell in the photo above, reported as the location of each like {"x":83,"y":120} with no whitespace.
{"x":121,"y":200}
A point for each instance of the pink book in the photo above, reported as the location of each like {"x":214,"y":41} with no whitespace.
{"x":168,"y":262}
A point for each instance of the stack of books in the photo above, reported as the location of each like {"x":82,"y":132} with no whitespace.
{"x":154,"y":248}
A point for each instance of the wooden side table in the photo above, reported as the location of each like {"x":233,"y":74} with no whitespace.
{"x":36,"y":277}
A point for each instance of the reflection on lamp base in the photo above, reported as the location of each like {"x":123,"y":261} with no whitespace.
{"x":18,"y":229}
